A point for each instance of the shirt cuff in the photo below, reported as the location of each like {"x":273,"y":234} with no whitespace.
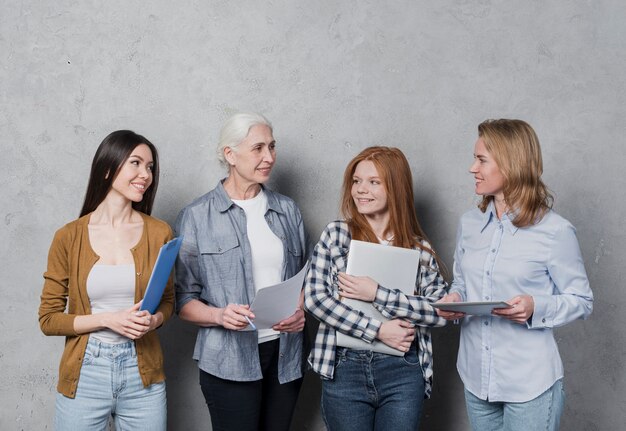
{"x":371,"y":331}
{"x":543,"y":315}
{"x":382,"y":297}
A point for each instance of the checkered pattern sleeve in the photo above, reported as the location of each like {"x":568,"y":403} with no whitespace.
{"x":430,"y":287}
{"x":321,"y":297}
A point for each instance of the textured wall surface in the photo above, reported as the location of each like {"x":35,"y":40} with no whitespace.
{"x":334,"y":77}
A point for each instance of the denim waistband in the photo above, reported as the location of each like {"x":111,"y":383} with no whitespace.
{"x":345,"y":352}
{"x":98,"y":348}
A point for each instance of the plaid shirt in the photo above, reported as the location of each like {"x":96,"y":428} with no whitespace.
{"x":322,"y":300}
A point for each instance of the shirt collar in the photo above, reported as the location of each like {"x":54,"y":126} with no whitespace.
{"x":490,"y":215}
{"x":224,"y":202}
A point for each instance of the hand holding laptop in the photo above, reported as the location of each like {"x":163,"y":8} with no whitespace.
{"x":362,"y":288}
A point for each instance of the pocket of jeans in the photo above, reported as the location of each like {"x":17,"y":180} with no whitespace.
{"x":339,"y":361}
{"x":410,"y":359}
{"x":88,"y":357}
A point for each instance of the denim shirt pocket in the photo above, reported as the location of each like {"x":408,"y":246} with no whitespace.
{"x":220,"y":260}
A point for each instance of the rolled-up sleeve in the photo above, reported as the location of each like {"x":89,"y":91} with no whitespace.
{"x":188,"y":278}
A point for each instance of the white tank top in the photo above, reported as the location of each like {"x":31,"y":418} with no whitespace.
{"x":110,"y":288}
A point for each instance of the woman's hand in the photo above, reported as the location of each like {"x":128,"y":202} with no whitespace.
{"x":293,"y":323}
{"x":131,"y":323}
{"x":233,"y":316}
{"x":397,"y":333}
{"x":356,"y":287}
{"x":523,"y":307}
{"x":450,"y":315}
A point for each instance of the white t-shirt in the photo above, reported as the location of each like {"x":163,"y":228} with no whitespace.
{"x":266,"y":248}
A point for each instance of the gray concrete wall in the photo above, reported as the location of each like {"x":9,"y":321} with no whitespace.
{"x":334,"y":77}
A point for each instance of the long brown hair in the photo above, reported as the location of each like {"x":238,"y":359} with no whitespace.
{"x":114,"y":150}
{"x":515,"y":148}
{"x":395,"y":174}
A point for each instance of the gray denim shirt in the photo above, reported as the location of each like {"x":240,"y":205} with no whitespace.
{"x":215,"y":266}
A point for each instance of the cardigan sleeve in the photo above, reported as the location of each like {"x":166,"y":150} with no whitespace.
{"x":53,"y":320}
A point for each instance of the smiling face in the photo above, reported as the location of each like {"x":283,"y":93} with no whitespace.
{"x":135,"y":175}
{"x":252,"y":160}
{"x":487,"y":174}
{"x":368,"y":190}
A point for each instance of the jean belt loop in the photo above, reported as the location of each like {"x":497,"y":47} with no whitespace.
{"x":96,"y":348}
{"x":133,"y":349}
{"x":342,"y":354}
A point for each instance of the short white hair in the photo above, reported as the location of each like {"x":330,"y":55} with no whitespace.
{"x":236,"y":129}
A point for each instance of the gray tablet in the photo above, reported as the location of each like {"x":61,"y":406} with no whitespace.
{"x":473,"y":308}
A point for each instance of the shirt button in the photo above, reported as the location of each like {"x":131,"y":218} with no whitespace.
{"x":493,"y":250}
{"x":219,"y":249}
{"x":486,"y":298}
{"x":486,"y":323}
{"x":486,"y":347}
{"x":543,"y":320}
{"x":487,"y":272}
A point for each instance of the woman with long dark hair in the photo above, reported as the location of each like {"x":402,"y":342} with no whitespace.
{"x":514,"y":248}
{"x":365,"y":389}
{"x":98,"y":268}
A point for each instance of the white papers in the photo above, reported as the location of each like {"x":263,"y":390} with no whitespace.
{"x":392,"y":267}
{"x":473,"y":308}
{"x":275,"y":303}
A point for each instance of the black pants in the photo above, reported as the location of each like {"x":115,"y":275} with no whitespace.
{"x":250,"y":406}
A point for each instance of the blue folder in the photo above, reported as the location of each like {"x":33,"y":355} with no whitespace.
{"x":160,"y":274}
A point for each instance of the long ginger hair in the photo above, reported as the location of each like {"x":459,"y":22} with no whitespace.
{"x":395,"y":174}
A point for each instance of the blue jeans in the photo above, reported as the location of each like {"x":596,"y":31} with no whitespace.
{"x":539,"y":414}
{"x":110,"y":385}
{"x":373,"y":391}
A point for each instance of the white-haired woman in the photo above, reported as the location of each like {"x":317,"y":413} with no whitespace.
{"x":239,"y":238}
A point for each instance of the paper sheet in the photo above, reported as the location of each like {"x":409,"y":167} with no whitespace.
{"x":275,"y":303}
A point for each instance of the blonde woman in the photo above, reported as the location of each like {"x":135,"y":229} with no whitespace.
{"x":515,"y":248}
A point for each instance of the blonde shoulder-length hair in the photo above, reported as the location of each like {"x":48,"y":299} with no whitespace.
{"x":515,"y":148}
{"x":395,"y":174}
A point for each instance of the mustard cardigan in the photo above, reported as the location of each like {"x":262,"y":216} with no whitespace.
{"x":69,"y":262}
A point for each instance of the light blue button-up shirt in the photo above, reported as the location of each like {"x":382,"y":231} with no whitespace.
{"x":214,"y":266}
{"x":498,"y":359}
